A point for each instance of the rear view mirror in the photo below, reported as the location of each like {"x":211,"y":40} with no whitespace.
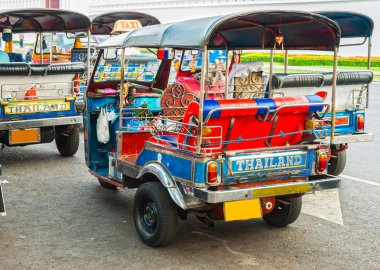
{"x":7,"y":35}
{"x":76,"y":35}
{"x":110,"y":54}
{"x":194,"y":52}
{"x":165,"y":54}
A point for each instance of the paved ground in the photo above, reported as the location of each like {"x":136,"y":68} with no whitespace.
{"x":58,"y":217}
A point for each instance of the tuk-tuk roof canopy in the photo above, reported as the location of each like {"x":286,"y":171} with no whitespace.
{"x":249,"y":30}
{"x":351,"y":24}
{"x":44,"y":20}
{"x":103,"y":24}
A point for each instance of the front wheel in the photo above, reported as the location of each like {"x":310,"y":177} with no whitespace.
{"x":67,"y":144}
{"x":106,"y":184}
{"x":155,"y":214}
{"x":285,"y":212}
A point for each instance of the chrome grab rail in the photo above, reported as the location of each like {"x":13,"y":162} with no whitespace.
{"x":16,"y":92}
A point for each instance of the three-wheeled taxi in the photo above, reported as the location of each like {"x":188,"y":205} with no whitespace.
{"x":352,"y":90}
{"x":237,"y":157}
{"x":37,"y":100}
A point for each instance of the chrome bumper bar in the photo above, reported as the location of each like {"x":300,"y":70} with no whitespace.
{"x":350,"y":138}
{"x":45,"y":122}
{"x":262,"y":191}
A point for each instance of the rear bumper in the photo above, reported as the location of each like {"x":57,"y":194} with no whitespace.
{"x":351,"y":138}
{"x":45,"y":122}
{"x":209,"y":196}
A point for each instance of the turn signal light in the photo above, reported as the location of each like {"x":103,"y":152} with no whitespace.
{"x":212,"y":173}
{"x":206,"y":131}
{"x":360,"y":122}
{"x":322,"y":162}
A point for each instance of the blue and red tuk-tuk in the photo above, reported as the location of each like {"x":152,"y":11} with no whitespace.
{"x":37,"y":100}
{"x":352,"y":89}
{"x":229,"y":154}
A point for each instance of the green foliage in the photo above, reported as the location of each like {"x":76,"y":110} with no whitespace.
{"x":310,"y":60}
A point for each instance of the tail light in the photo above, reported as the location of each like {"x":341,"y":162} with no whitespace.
{"x":360,"y":122}
{"x":212,"y":173}
{"x":76,"y":83}
{"x":322,"y":162}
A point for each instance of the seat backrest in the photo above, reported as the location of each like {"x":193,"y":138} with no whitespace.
{"x":251,"y":126}
{"x":14,"y":69}
{"x":349,"y":77}
{"x":286,"y":80}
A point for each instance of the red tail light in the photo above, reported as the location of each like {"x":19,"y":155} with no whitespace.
{"x":76,"y":83}
{"x":360,"y":122}
{"x":322,"y":162}
{"x":212,"y":173}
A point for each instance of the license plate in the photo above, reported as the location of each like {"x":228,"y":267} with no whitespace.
{"x":242,"y":210}
{"x":268,"y":162}
{"x":36,"y":107}
{"x":23,"y":136}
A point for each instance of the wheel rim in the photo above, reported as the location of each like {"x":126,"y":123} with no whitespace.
{"x":148,"y":216}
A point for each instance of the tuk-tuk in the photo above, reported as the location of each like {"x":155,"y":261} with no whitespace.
{"x":237,"y":157}
{"x":2,"y":205}
{"x":37,"y":100}
{"x":352,"y":91}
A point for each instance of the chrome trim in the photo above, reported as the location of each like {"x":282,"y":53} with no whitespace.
{"x":247,"y":193}
{"x":166,"y":180}
{"x":45,"y":122}
{"x":350,"y":138}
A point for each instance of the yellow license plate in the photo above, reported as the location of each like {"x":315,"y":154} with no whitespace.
{"x":23,"y":136}
{"x":242,"y":210}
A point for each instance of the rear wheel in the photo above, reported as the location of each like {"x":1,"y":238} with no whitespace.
{"x":285,"y":212}
{"x":67,"y":144}
{"x":155,"y":214}
{"x":337,"y":163}
{"x":106,"y":184}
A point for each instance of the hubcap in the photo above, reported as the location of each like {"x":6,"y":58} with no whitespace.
{"x":148,"y":216}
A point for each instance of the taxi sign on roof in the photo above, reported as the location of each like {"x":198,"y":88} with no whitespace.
{"x":122,"y":26}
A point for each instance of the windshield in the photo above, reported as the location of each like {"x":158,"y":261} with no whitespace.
{"x":140,"y":65}
{"x":61,"y":44}
{"x":192,"y":60}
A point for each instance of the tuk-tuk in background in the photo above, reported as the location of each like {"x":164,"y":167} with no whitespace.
{"x":352,"y":90}
{"x":222,"y":155}
{"x":37,"y":100}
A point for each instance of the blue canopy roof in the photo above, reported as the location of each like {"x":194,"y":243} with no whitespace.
{"x":249,"y":30}
{"x":103,"y":24}
{"x":351,"y":24}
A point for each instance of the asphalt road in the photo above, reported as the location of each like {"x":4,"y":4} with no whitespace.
{"x":58,"y":217}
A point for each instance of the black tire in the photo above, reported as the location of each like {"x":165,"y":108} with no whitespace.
{"x":285,"y":212}
{"x":67,"y":145}
{"x":155,"y":215}
{"x":337,"y":163}
{"x":106,"y":184}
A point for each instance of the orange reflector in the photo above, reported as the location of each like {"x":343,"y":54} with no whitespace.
{"x":322,"y":162}
{"x":360,"y":122}
{"x":212,"y":173}
{"x":206,"y":131}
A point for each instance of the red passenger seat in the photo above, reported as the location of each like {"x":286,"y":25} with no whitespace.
{"x":252,"y":126}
